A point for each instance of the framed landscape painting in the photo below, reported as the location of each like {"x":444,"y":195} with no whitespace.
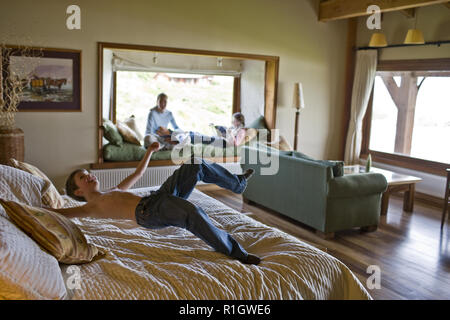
{"x":51,"y":79}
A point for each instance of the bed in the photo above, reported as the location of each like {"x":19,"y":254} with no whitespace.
{"x":172,"y":263}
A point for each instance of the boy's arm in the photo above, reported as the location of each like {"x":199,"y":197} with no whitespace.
{"x":129,"y":181}
{"x":76,"y":212}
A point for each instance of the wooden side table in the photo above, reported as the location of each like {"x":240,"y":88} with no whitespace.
{"x":396,"y":183}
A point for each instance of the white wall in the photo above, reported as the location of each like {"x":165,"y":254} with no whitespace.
{"x":310,"y":52}
{"x":252,"y":89}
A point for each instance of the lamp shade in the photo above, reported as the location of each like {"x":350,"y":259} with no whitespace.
{"x":378,"y":40}
{"x":298,"y":101}
{"x":414,"y":36}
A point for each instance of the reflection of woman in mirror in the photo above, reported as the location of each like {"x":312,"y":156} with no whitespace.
{"x":159,"y":117}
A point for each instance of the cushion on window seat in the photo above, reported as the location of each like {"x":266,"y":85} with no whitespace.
{"x":111,"y":133}
{"x":127,"y":152}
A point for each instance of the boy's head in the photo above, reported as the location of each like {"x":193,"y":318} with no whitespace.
{"x":79,"y":183}
{"x":238,"y":120}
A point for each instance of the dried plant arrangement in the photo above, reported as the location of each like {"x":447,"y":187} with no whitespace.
{"x":11,"y":84}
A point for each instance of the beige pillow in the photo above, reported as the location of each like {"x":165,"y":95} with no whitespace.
{"x":281,"y":144}
{"x":131,"y":123}
{"x":127,"y":133}
{"x":51,"y":198}
{"x":53,"y":232}
{"x":18,"y":185}
{"x":250,"y":134}
{"x":26,"y":271}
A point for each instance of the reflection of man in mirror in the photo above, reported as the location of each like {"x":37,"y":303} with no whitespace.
{"x":159,"y":117}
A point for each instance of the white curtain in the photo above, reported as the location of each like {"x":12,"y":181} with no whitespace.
{"x":365,"y":69}
{"x":128,"y":61}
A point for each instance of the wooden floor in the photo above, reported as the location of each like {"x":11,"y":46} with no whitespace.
{"x":412,"y":253}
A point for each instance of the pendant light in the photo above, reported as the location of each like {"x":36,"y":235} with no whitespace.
{"x":378,"y":40}
{"x":414,"y":36}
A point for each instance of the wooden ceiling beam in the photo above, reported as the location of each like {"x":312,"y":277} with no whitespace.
{"x":344,"y":9}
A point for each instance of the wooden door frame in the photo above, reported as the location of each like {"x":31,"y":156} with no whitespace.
{"x":270,"y":87}
{"x":236,"y":94}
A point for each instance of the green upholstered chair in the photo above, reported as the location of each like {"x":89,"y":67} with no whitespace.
{"x":312,"y":192}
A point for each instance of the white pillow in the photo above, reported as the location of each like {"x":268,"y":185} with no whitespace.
{"x":26,"y":271}
{"x":20,"y":186}
{"x":131,"y":123}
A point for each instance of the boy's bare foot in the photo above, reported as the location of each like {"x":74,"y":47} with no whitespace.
{"x":251,"y":259}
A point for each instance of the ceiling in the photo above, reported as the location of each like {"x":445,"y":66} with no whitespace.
{"x":344,"y":9}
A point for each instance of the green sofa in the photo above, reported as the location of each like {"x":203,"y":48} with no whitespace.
{"x":314,"y":192}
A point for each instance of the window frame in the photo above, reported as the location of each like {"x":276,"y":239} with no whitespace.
{"x":236,"y":99}
{"x":395,"y":159}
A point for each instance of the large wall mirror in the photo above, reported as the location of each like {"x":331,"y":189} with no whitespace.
{"x":203,"y":86}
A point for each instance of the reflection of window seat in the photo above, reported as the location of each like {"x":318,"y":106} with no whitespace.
{"x":132,"y":152}
{"x":129,"y":155}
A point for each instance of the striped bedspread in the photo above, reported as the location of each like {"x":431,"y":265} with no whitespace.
{"x":172,"y":263}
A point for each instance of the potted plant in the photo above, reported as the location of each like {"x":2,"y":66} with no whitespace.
{"x":12,"y":83}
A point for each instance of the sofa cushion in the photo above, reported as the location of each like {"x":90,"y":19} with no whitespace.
{"x":337,"y":166}
{"x":127,"y":133}
{"x":250,"y":135}
{"x":280,"y":144}
{"x":258,"y":123}
{"x":264,"y":147}
{"x":111,"y":133}
{"x":299,"y":154}
{"x":126,"y":152}
{"x":131,"y":123}
{"x":132,"y":152}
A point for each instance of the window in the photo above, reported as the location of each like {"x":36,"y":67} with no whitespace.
{"x":409,"y":114}
{"x":195,"y":100}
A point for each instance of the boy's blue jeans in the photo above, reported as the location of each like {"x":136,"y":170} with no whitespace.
{"x":168,"y":206}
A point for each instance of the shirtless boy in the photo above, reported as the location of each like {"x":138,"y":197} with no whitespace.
{"x":162,"y":208}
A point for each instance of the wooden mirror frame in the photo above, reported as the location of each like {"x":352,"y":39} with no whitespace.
{"x":270,"y":87}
